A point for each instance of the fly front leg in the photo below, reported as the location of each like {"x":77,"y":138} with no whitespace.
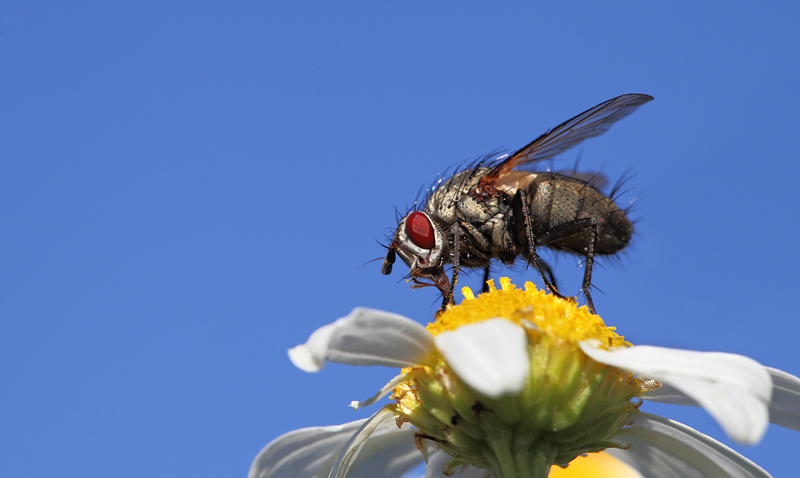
{"x":448,"y":298}
{"x":477,"y":246}
{"x":520,"y":205}
{"x":573,"y":227}
{"x":485,"y":279}
{"x":479,"y":242}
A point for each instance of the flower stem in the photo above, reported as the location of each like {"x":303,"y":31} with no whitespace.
{"x":516,"y":455}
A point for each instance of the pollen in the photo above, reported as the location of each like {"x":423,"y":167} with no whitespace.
{"x":561,"y":318}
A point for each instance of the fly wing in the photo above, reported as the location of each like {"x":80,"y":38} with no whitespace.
{"x":592,"y":122}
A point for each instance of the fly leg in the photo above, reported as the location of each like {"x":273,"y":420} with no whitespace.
{"x":448,"y":299}
{"x":542,"y":265}
{"x":567,"y":229}
{"x":520,"y":204}
{"x":480,"y":249}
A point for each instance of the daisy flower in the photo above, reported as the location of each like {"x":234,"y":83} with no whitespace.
{"x":517,"y":382}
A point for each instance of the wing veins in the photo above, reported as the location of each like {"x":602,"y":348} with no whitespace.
{"x":592,"y":122}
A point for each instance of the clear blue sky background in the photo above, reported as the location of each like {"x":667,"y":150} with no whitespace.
{"x":190,"y":188}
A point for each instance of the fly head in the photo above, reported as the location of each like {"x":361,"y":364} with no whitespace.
{"x":420,"y":243}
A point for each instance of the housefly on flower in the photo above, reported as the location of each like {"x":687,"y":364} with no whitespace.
{"x":496,"y":209}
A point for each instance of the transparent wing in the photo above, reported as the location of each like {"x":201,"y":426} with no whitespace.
{"x":592,"y":122}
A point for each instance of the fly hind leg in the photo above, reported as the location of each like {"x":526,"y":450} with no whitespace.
{"x":567,"y":229}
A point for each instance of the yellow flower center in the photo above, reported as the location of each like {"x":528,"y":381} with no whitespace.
{"x":569,"y":406}
{"x":557,"y":317}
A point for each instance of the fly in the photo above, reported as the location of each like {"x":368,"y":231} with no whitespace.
{"x":495,"y":211}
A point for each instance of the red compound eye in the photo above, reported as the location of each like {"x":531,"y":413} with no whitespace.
{"x":419,"y":230}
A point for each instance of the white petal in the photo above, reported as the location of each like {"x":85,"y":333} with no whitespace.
{"x":308,"y":452}
{"x":662,"y":448}
{"x":380,"y":453}
{"x":669,"y":394}
{"x":490,"y":356}
{"x":785,"y":407}
{"x":438,"y":458}
{"x":311,"y":452}
{"x":366,"y":337}
{"x":436,"y":461}
{"x":734,"y":389}
{"x":389,"y":453}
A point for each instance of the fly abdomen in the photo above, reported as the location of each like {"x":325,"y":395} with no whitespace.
{"x":555,"y":200}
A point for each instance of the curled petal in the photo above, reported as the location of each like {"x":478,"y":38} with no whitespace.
{"x":386,"y":390}
{"x":662,"y":448}
{"x":366,"y":337}
{"x":490,"y":356}
{"x":734,"y":389}
{"x":383,"y":458}
{"x":311,"y":452}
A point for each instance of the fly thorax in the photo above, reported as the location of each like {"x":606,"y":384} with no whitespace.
{"x":475,"y":211}
{"x":450,"y":194}
{"x":442,"y":208}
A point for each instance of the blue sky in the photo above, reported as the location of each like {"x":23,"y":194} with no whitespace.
{"x":190,"y":188}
